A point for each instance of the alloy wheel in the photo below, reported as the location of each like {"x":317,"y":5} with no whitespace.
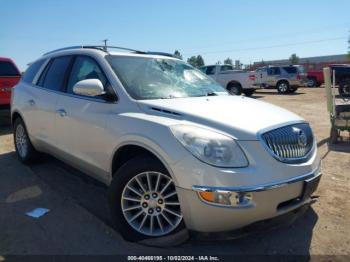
{"x":150,"y":204}
{"x":21,"y":141}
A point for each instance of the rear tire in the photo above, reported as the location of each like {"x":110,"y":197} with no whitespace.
{"x":25,"y":150}
{"x":249,"y":92}
{"x":312,"y":82}
{"x":134,"y":191}
{"x":234,"y":89}
{"x":283,"y":87}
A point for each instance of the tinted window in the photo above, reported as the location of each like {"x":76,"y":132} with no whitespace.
{"x":31,"y":71}
{"x":8,"y":69}
{"x":85,"y":68}
{"x":290,"y":69}
{"x":274,"y":71}
{"x":210,"y":70}
{"x":53,"y":78}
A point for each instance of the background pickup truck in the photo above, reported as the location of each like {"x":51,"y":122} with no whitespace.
{"x":235,"y":81}
{"x":315,"y":78}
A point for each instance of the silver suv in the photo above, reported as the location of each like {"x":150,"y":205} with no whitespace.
{"x":286,"y":79}
{"x":165,"y":139}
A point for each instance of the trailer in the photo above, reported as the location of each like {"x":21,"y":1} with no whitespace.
{"x":338,"y":108}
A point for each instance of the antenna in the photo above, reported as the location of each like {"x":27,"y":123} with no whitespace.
{"x":105,"y":44}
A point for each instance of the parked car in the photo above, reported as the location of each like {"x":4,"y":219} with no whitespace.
{"x":176,"y":150}
{"x":315,"y":78}
{"x":235,"y":81}
{"x":9,"y":77}
{"x":285,"y":78}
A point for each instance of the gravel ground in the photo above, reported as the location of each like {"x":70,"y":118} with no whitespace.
{"x":78,"y":221}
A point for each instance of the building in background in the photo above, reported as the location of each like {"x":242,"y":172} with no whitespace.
{"x":309,"y":63}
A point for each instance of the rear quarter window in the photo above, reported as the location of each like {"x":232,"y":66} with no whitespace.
{"x":54,"y":75}
{"x":8,"y":69}
{"x":31,"y":71}
{"x":290,"y":69}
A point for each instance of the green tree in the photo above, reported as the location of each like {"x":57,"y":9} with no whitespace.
{"x":196,"y":61}
{"x":200,"y":61}
{"x":294,"y":59}
{"x":228,"y":61}
{"x":177,"y":54}
{"x":192,"y":61}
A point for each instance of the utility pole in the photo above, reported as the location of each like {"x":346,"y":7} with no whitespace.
{"x":105,"y":44}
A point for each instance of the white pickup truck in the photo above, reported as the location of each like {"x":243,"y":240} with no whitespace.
{"x":235,"y":81}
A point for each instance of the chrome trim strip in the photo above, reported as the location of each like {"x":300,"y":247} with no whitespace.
{"x":259,"y":188}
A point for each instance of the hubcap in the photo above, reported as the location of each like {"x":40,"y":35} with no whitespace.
{"x":150,"y":204}
{"x":21,"y":141}
{"x":283,"y":87}
{"x":233,"y":90}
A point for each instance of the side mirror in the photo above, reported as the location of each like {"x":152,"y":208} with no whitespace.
{"x":89,"y":87}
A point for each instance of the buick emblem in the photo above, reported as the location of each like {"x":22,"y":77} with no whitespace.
{"x":302,"y":138}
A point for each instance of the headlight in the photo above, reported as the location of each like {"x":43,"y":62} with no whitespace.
{"x":210,"y":147}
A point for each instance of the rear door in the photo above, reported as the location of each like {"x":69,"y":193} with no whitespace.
{"x":9,"y":77}
{"x":41,"y":101}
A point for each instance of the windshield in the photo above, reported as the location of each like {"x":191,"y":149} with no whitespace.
{"x":159,"y":78}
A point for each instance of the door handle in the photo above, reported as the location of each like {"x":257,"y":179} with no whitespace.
{"x":61,"y":112}
{"x":31,"y":102}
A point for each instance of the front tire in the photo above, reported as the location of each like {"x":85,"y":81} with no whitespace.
{"x":143,"y":200}
{"x":25,"y":150}
{"x":283,"y":87}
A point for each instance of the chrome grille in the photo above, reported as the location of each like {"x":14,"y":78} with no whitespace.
{"x":291,"y":143}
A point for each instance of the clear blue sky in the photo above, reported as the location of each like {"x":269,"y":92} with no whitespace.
{"x":246,"y":30}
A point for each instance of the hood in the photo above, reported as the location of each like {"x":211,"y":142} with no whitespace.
{"x":238,"y":116}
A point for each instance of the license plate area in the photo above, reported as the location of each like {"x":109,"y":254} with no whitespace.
{"x":310,"y":187}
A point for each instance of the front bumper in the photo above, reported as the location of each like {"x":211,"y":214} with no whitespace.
{"x":267,"y":201}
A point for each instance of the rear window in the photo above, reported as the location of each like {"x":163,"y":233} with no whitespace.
{"x":8,"y":69}
{"x":226,"y":68}
{"x":54,"y":76}
{"x":290,"y":69}
{"x":31,"y":71}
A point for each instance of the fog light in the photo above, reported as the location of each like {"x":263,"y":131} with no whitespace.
{"x":227,"y":198}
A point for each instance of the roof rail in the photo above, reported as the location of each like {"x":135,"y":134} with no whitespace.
{"x":105,"y":49}
{"x":98,"y":47}
{"x":159,"y":53}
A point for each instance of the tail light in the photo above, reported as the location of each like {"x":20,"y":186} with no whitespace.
{"x":252,"y":77}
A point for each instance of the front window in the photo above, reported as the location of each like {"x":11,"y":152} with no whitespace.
{"x":160,"y":78}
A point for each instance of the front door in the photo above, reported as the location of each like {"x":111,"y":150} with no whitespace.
{"x":81,"y":121}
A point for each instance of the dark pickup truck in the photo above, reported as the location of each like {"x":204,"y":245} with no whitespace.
{"x":342,"y":78}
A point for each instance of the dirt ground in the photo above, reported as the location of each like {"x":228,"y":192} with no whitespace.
{"x":78,"y":221}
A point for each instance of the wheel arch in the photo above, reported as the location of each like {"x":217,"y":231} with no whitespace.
{"x":14,"y":115}
{"x":130,"y":149}
{"x":282,"y":80}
